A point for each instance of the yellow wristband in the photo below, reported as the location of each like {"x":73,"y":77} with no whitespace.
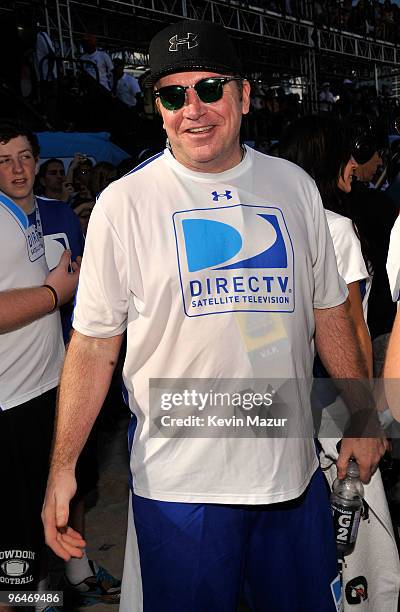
{"x":53,"y":295}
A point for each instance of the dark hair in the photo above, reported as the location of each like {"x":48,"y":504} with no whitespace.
{"x":117,"y":61}
{"x":100,"y":177}
{"x":322,"y":147}
{"x":9,"y":131}
{"x":128,"y":164}
{"x":43,"y":167}
{"x":84,"y":162}
{"x":319,"y":145}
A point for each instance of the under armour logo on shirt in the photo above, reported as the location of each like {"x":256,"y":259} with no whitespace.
{"x":190,"y":41}
{"x":217,"y":196}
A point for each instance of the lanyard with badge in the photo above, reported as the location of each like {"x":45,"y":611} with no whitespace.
{"x":34,"y":236}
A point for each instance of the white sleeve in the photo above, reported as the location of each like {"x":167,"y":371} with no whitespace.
{"x":41,"y":47}
{"x":347,"y":247}
{"x":393,"y":261}
{"x":109,"y":63}
{"x":329,"y":290}
{"x":103,"y":294}
{"x":41,"y":52}
{"x":135,"y":86}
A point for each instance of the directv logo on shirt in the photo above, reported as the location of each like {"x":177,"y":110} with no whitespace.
{"x":235,"y":258}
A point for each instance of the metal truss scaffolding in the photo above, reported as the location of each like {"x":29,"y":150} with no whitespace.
{"x":129,"y":24}
{"x":310,"y":73}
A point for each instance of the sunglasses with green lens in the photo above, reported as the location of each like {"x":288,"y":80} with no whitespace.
{"x":209,"y":90}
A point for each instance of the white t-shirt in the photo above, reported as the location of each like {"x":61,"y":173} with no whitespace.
{"x":213,"y":276}
{"x":326,"y":99}
{"x":46,"y":71}
{"x":127,"y":88}
{"x":393,"y":261}
{"x":30,"y":357}
{"x":104,"y":66}
{"x":350,"y":261}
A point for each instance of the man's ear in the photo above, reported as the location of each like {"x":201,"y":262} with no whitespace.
{"x":158,"y":109}
{"x":36,"y":166}
{"x":157,"y":104}
{"x":246,"y":88}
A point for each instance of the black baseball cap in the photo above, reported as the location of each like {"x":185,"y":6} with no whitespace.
{"x":192,"y":45}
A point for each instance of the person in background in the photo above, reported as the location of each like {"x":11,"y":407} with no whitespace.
{"x":83,"y":212}
{"x":31,"y":354}
{"x":84,"y":579}
{"x":58,"y":238}
{"x":102,"y":174}
{"x":78,"y":179}
{"x":125,"y":87}
{"x":91,"y":55}
{"x":374,"y":213}
{"x":51,"y":180}
{"x":45,"y":58}
{"x":326,"y":98}
{"x":47,"y":75}
{"x":366,"y":172}
{"x":320,"y":146}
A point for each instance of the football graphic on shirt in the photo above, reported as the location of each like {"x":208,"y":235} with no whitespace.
{"x":15,"y":567}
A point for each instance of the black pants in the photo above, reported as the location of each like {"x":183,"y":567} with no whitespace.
{"x":25,"y":441}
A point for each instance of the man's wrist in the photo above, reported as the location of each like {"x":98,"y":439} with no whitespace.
{"x":363,"y":424}
{"x":54,"y":296}
{"x":57,"y":471}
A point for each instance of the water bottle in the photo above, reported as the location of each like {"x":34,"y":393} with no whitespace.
{"x":346,"y":503}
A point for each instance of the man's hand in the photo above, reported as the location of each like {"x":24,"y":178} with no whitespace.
{"x":84,"y":207}
{"x":64,"y":282}
{"x":67,"y":190}
{"x":78,"y":159}
{"x":366,"y":451}
{"x":62,"y":539}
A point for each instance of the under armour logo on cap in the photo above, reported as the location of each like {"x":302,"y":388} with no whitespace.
{"x":191,"y":46}
{"x":190,"y":41}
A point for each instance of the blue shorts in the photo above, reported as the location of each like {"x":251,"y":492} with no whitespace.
{"x":207,"y":557}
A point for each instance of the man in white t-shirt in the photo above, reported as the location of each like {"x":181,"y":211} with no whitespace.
{"x":96,"y":63}
{"x":31,"y":355}
{"x":47,"y":73}
{"x":217,"y":262}
{"x":125,"y":86}
{"x":45,"y":54}
{"x":326,"y":98}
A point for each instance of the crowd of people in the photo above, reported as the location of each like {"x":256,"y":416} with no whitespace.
{"x":377,"y":18}
{"x":96,"y":92}
{"x":272,"y":108}
{"x":221,"y":271}
{"x":78,"y":186}
{"x":47,"y":76}
{"x":32,"y":350}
